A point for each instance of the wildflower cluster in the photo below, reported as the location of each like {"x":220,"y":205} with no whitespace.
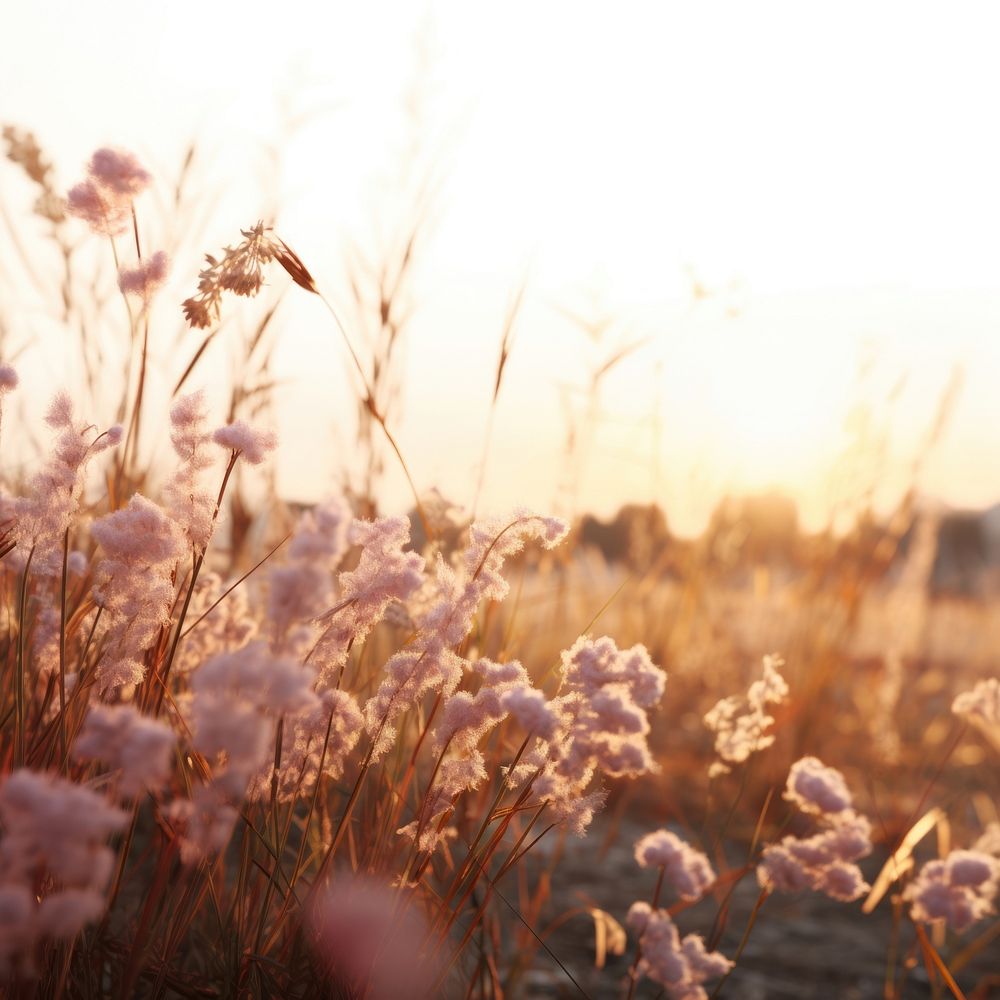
{"x":54,"y":836}
{"x":740,"y":724}
{"x":824,"y":861}
{"x":353,"y":712}
{"x":104,"y":199}
{"x":237,"y":699}
{"x":598,"y":725}
{"x":145,"y":278}
{"x":47,"y":508}
{"x":688,"y":871}
{"x":134,"y":585}
{"x":957,"y":890}
{"x":680,"y":966}
{"x":139,"y":748}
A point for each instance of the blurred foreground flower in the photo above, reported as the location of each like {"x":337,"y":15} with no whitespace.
{"x":104,"y":199}
{"x":144,"y":279}
{"x":54,"y":836}
{"x":368,"y":938}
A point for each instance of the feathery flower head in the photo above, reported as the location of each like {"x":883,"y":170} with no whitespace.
{"x":124,"y":739}
{"x":326,"y":730}
{"x":494,"y":541}
{"x":681,"y":967}
{"x":105,"y":213}
{"x":146,"y":278}
{"x":686,"y":869}
{"x":959,"y":890}
{"x":53,"y":495}
{"x":191,"y":506}
{"x":590,"y":664}
{"x":825,"y":861}
{"x":740,"y":724}
{"x":322,"y":533}
{"x":134,"y":585}
{"x":119,"y":171}
{"x":369,"y":940}
{"x":817,"y":789}
{"x":140,"y":531}
{"x":533,"y":711}
{"x":248,"y":442}
{"x":56,"y":823}
{"x":104,"y":199}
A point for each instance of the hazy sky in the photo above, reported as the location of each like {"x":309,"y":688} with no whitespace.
{"x":828,"y":172}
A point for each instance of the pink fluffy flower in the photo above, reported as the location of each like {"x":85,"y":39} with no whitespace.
{"x":369,"y":939}
{"x":324,"y":732}
{"x":8,"y":378}
{"x":958,"y":891}
{"x":598,"y":724}
{"x":189,"y":504}
{"x":740,"y":724}
{"x":53,"y":494}
{"x":686,"y":869}
{"x":533,"y":711}
{"x":205,"y":821}
{"x":300,"y":590}
{"x":465,"y":720}
{"x":817,"y":789}
{"x":134,"y":584}
{"x":107,"y":213}
{"x":119,"y":171}
{"x":237,"y":699}
{"x":824,"y":861}
{"x":55,"y":834}
{"x":127,"y":741}
{"x":248,"y":442}
{"x":385,"y":574}
{"x":144,"y":279}
{"x":681,"y":967}
{"x":104,"y":199}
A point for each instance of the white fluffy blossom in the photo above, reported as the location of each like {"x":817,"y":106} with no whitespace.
{"x":53,"y":830}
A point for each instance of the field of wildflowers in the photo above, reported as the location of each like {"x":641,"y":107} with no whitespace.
{"x":346,"y":754}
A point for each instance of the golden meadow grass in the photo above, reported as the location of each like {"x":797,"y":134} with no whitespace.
{"x":251,"y":750}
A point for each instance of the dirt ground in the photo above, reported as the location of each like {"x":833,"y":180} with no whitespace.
{"x":803,"y":947}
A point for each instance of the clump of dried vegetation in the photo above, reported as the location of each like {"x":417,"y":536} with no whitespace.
{"x":316,"y":760}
